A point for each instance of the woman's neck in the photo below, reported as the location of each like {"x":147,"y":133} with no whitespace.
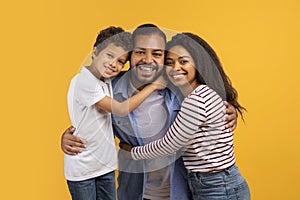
{"x":188,"y":88}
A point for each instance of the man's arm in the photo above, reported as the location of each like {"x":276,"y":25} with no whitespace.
{"x":71,"y":144}
{"x":231,"y":116}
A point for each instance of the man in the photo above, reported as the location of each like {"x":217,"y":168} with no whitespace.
{"x":160,"y":179}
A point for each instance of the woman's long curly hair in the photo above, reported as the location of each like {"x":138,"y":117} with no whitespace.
{"x":197,"y":47}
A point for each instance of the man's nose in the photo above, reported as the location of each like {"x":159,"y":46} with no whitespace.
{"x":148,"y":58}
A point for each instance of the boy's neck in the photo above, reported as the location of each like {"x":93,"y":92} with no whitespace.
{"x":95,"y":72}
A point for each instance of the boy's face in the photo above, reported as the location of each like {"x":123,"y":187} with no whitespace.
{"x":110,"y":61}
{"x":147,"y":58}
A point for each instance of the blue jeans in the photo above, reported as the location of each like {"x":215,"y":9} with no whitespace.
{"x":226,"y":184}
{"x":99,"y":188}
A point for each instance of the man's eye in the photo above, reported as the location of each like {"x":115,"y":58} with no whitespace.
{"x":157,"y":55}
{"x":139,"y":52}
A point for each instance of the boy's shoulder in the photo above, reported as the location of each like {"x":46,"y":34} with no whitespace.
{"x":84,"y":75}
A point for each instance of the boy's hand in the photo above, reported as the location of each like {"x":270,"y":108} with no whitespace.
{"x":71,"y":144}
{"x":160,"y":83}
{"x":231,"y":116}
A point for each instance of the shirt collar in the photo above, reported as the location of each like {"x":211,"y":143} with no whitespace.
{"x":121,"y":85}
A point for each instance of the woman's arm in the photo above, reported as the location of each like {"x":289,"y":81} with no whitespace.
{"x":181,"y":132}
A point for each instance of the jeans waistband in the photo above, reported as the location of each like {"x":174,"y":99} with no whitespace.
{"x":228,"y":170}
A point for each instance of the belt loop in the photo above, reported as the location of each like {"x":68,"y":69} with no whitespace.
{"x":227,"y":171}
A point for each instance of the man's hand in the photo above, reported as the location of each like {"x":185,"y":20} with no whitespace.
{"x":125,"y":146}
{"x":125,"y":150}
{"x":71,"y":144}
{"x":231,"y":116}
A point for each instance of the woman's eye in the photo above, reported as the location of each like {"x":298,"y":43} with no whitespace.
{"x":169,"y":63}
{"x":182,"y":62}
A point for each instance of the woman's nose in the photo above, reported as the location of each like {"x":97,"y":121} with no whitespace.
{"x":176,"y":66}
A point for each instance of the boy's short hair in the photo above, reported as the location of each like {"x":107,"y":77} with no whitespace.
{"x":115,"y":35}
{"x":148,"y":29}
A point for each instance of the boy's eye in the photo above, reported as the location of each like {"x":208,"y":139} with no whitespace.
{"x":109,"y":55}
{"x":121,"y":62}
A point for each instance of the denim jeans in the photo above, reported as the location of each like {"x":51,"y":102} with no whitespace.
{"x":226,"y":184}
{"x":99,"y":188}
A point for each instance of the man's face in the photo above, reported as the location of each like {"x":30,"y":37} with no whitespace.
{"x":147,"y":58}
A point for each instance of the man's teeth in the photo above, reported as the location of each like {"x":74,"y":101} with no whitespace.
{"x":146,"y":69}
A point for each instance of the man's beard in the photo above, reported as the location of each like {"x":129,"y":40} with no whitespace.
{"x":145,"y":74}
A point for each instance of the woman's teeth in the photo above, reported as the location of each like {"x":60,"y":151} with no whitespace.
{"x":178,"y":76}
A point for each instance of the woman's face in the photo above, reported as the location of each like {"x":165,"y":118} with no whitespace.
{"x":180,"y":67}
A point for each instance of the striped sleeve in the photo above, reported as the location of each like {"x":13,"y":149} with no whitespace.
{"x":181,"y":132}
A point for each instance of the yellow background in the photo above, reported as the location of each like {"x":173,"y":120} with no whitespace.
{"x":43,"y":44}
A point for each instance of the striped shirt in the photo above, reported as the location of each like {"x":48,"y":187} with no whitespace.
{"x":198,"y":128}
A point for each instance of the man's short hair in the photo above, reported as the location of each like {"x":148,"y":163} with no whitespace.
{"x":148,"y":29}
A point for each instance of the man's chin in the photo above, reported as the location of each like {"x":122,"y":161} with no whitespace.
{"x":146,"y":78}
{"x":145,"y":81}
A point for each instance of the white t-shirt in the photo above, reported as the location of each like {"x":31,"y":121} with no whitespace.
{"x":93,"y":125}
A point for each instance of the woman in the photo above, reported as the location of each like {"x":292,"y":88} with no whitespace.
{"x":194,"y":68}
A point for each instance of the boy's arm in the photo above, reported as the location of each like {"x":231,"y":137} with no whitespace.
{"x":123,"y":108}
{"x":231,"y":116}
